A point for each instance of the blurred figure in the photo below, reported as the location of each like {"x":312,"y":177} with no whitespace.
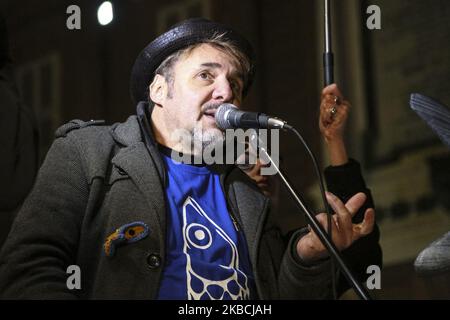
{"x":433,"y":262}
{"x":19,"y":141}
{"x":434,"y":259}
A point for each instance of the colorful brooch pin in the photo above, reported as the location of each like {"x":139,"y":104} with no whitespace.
{"x":126,"y":234}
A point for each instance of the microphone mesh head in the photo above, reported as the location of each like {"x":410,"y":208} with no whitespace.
{"x":222,"y":116}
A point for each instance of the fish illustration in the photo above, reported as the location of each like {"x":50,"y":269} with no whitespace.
{"x":200,"y":233}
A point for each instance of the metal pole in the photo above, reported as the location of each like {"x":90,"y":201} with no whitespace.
{"x":328,"y":63}
{"x":327,"y":25}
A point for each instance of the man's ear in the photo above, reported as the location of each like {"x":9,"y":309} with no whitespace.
{"x":158,"y":89}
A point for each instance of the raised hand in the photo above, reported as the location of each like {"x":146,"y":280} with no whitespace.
{"x":344,"y":232}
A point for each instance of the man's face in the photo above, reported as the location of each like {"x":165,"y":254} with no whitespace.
{"x":202,"y":80}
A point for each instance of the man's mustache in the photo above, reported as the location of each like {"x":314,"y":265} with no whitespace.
{"x":211,"y":106}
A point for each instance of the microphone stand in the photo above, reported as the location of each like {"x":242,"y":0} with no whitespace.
{"x":318,"y":229}
{"x":328,"y":69}
{"x":328,"y":63}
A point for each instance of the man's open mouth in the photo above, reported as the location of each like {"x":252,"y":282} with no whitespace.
{"x":210,"y":113}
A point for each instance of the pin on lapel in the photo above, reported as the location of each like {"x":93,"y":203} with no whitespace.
{"x":126,"y":234}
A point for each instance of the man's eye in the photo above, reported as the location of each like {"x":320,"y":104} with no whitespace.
{"x":205,"y":76}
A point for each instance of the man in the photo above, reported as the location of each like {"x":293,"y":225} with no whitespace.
{"x":140,"y":225}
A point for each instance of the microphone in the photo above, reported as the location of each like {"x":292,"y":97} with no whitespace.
{"x":228,"y":116}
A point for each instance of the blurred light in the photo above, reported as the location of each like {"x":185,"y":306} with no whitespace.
{"x":105,"y":13}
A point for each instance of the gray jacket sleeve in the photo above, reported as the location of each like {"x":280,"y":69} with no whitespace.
{"x":283,"y":275}
{"x":43,"y":239}
{"x":300,"y":281}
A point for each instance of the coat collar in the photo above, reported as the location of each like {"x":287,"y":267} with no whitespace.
{"x":138,"y":130}
{"x":132,"y":130}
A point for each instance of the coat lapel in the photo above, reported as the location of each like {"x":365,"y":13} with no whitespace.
{"x":249,"y":205}
{"x":136,"y":161}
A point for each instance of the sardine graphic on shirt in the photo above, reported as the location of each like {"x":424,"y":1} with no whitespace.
{"x":200,"y":234}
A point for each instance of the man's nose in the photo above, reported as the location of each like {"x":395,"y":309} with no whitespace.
{"x":223,"y":91}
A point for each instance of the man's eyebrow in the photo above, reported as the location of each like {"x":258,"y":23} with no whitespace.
{"x":211,"y":65}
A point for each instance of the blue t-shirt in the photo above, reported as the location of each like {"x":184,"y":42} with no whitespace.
{"x":207,"y":258}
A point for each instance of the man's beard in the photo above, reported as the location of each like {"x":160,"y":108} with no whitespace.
{"x":196,"y":140}
{"x":208,"y":138}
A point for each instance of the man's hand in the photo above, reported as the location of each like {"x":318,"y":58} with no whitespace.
{"x":246,"y":162}
{"x":344,"y":232}
{"x":254,"y":172}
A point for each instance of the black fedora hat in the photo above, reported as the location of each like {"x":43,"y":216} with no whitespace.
{"x":183,"y":34}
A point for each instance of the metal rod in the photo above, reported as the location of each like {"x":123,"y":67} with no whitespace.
{"x":328,"y":45}
{"x":328,"y":63}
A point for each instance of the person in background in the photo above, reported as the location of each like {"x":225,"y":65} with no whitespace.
{"x":18,"y":140}
{"x":343,"y":177}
